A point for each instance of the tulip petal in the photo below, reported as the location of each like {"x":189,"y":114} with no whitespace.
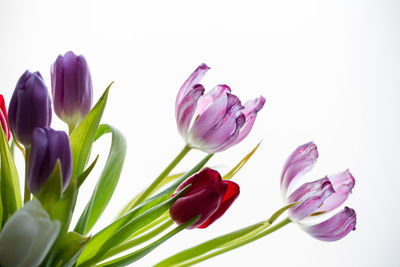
{"x":206,"y":100}
{"x":193,"y":79}
{"x":342,"y":183}
{"x":251,"y":108}
{"x":216,"y":124}
{"x":310,"y":196}
{"x":231,"y":194}
{"x":335,"y":228}
{"x":3,"y":117}
{"x":36,"y":159}
{"x":300,"y":161}
{"x":186,"y":109}
{"x":205,"y":178}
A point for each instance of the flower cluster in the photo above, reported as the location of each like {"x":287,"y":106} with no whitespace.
{"x":39,"y":233}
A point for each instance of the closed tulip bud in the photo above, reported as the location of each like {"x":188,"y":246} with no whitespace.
{"x":27,"y":236}
{"x":3,"y":117}
{"x":208,"y":196}
{"x":30,"y":107}
{"x":48,"y":146}
{"x":71,"y":87}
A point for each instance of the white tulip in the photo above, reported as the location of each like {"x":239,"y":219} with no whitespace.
{"x":27,"y":236}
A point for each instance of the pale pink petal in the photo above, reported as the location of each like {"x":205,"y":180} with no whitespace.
{"x":310,"y":196}
{"x":207,"y":99}
{"x":335,"y":228}
{"x":300,"y":161}
{"x":188,"y":85}
{"x":186,"y":109}
{"x":342,"y":183}
{"x":251,"y":108}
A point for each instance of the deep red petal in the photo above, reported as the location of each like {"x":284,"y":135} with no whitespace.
{"x":3,"y":117}
{"x":205,"y":178}
{"x":232,"y":192}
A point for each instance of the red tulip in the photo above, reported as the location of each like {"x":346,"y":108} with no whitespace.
{"x":208,"y":196}
{"x":3,"y":117}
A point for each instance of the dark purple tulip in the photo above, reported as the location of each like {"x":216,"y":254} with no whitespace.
{"x":71,"y":87}
{"x":48,"y":145}
{"x":30,"y":107}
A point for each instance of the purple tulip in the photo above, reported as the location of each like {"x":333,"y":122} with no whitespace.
{"x":30,"y":107}
{"x":317,"y":197}
{"x":48,"y":145}
{"x":71,"y":87}
{"x":214,"y":121}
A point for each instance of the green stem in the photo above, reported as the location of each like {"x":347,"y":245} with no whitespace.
{"x":71,"y":128}
{"x":27,"y":193}
{"x":232,"y":245}
{"x":155,"y":223}
{"x":137,"y":241}
{"x":149,"y":190}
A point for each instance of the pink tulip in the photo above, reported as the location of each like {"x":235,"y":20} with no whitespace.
{"x":317,"y":197}
{"x":214,"y":121}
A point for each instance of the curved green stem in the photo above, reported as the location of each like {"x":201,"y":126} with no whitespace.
{"x":149,"y":190}
{"x":27,"y":193}
{"x":235,"y":244}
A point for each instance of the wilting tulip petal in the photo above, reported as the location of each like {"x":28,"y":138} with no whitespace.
{"x":30,"y":107}
{"x":342,"y":183}
{"x":212,"y":122}
{"x":3,"y":117}
{"x":208,"y":196}
{"x":48,"y":146}
{"x":251,"y":108}
{"x":301,"y":161}
{"x":72,"y":89}
{"x":335,"y":228}
{"x":310,"y":196}
{"x":27,"y":236}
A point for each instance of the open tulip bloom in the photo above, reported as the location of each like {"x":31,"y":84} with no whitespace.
{"x":38,"y":232}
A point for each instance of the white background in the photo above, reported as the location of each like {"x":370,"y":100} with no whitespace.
{"x":328,"y":69}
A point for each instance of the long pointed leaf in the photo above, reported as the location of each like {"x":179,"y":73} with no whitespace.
{"x":137,"y":255}
{"x":107,"y":182}
{"x":82,"y":137}
{"x":10,"y":188}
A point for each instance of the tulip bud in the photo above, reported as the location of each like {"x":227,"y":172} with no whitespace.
{"x":3,"y":117}
{"x":48,"y":145}
{"x":71,"y":87}
{"x":27,"y":236}
{"x":208,"y":196}
{"x":30,"y":107}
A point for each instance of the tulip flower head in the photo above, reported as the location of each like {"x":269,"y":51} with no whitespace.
{"x":318,"y":197}
{"x":208,"y":196}
{"x":71,"y":87}
{"x":27,"y":236}
{"x":48,"y":146}
{"x":30,"y":107}
{"x":3,"y":117}
{"x":214,"y":121}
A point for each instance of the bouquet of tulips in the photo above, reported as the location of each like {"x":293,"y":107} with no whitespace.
{"x":36,"y":229}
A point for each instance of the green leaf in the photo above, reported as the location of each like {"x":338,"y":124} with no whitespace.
{"x":230,"y":174}
{"x":10,"y":188}
{"x":51,"y":191}
{"x":127,"y":230}
{"x":69,"y":249}
{"x":107,"y":182}
{"x":82,"y":137}
{"x":86,"y":173}
{"x":230,"y":239}
{"x":63,"y":208}
{"x":134,"y":256}
{"x":101,"y":237}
